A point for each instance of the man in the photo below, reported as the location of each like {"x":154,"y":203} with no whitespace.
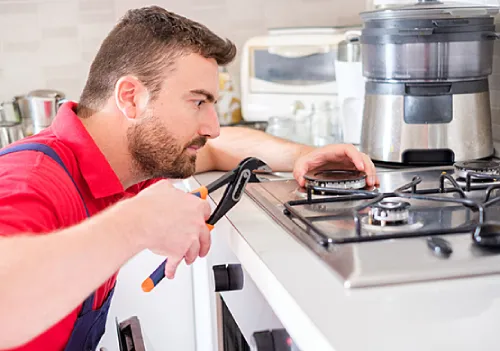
{"x":146,"y":113}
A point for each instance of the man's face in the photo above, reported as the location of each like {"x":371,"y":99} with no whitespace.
{"x":178,"y":123}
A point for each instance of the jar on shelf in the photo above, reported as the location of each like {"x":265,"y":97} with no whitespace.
{"x":229,"y":104}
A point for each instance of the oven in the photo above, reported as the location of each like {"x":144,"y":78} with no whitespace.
{"x":231,"y":313}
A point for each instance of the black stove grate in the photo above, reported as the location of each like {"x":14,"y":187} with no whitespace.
{"x":484,"y":233}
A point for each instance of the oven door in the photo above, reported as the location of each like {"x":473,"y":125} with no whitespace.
{"x":232,"y":320}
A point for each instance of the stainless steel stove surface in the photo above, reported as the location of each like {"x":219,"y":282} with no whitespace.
{"x":419,"y":225}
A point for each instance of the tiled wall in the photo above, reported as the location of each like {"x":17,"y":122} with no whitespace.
{"x":51,"y":43}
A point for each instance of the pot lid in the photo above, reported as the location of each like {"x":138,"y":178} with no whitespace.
{"x":432,"y":8}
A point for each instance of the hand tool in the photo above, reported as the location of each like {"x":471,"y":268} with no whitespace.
{"x":236,"y":180}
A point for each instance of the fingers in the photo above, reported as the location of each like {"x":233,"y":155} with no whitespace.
{"x":300,"y":169}
{"x":298,"y":174}
{"x":341,"y":157}
{"x":207,"y":211}
{"x":370,"y":170}
{"x":355,"y":156}
{"x":304,"y":164}
{"x":161,"y":184}
{"x":171,"y":266}
{"x":193,"y":252}
{"x":205,"y":242}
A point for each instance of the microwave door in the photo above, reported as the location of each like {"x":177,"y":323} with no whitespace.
{"x":281,"y":68}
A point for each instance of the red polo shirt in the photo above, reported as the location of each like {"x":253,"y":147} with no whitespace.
{"x":37,"y":196}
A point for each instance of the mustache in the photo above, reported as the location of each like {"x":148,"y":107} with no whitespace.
{"x":199,"y":141}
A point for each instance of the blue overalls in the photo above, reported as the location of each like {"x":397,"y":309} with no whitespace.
{"x":90,"y":325}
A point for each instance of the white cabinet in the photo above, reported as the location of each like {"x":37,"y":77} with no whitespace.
{"x":184,"y":313}
{"x":166,"y":314}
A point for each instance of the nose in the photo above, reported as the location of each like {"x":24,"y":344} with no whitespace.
{"x":209,"y":125}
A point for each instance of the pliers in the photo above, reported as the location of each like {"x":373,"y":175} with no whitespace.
{"x":236,"y":181}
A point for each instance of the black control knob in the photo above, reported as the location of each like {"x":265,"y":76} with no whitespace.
{"x":274,"y":340}
{"x":228,"y":277}
{"x":264,"y":340}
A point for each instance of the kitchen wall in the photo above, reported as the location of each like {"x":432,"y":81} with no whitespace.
{"x":51,"y":43}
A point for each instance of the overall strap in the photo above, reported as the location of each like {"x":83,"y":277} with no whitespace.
{"x":88,"y":304}
{"x":47,"y":150}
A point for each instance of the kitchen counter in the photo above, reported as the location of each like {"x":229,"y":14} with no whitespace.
{"x":320,"y":314}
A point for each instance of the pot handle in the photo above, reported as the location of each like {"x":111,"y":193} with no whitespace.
{"x":60,"y":101}
{"x":2,"y":113}
{"x":416,"y":31}
{"x":352,"y":35}
{"x":491,"y":35}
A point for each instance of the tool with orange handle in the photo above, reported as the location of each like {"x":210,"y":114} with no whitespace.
{"x":236,"y":181}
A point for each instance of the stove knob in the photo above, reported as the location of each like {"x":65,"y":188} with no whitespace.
{"x":264,"y":340}
{"x":274,"y":340}
{"x":228,"y":277}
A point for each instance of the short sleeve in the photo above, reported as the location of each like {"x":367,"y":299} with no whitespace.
{"x":24,"y":209}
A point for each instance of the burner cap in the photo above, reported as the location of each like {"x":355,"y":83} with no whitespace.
{"x":481,"y":167}
{"x":390,"y":213}
{"x":392,"y":205}
{"x":336,"y":179}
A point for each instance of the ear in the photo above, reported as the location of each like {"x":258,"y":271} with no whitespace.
{"x":131,"y":96}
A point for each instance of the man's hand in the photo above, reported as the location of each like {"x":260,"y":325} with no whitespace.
{"x":170,"y":222}
{"x":341,"y":156}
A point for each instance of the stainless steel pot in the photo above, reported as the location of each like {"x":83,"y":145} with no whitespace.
{"x":43,"y":107}
{"x":429,"y":40}
{"x":10,"y":132}
{"x":9,"y":112}
{"x":24,"y":109}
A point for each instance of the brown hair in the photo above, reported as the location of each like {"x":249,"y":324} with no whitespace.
{"x":144,"y":43}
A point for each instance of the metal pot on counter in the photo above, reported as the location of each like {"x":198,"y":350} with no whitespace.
{"x":11,"y":129}
{"x":26,"y":115}
{"x":426,"y":94}
{"x":43,"y":106}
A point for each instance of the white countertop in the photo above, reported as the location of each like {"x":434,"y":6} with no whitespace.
{"x":320,"y":314}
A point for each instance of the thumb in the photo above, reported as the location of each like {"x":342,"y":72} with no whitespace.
{"x":171,"y":267}
{"x":300,"y":170}
{"x":164,"y":183}
{"x":298,"y":174}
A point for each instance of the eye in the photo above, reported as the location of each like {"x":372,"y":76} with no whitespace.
{"x":198,"y":103}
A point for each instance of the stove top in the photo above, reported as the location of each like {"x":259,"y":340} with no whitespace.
{"x":419,"y":225}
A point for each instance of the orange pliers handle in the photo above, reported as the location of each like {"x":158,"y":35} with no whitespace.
{"x":202,"y":193}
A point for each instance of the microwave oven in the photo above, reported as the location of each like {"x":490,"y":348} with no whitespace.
{"x":288,"y":67}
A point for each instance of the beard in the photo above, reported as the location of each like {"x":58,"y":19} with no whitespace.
{"x":156,"y":153}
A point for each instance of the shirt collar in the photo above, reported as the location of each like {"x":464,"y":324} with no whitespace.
{"x":94,"y":166}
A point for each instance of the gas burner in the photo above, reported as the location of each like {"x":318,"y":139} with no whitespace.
{"x":486,"y":168}
{"x":377,"y":228}
{"x":390,"y":216}
{"x":389,"y":213}
{"x":335,"y":179}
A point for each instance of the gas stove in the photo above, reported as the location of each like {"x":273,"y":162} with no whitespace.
{"x":418,"y":225}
